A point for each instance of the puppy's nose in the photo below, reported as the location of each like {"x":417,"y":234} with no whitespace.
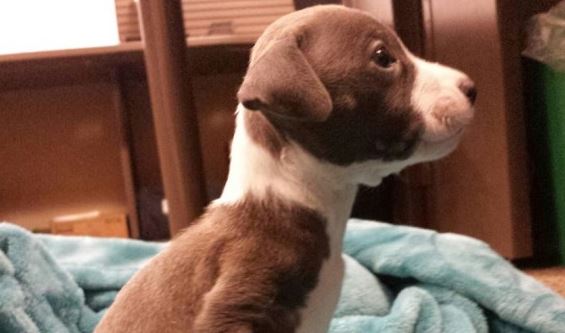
{"x":467,"y":87}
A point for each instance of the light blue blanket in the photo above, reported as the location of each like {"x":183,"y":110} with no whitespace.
{"x":398,"y":279}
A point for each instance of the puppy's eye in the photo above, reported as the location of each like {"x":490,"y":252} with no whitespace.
{"x":383,"y":58}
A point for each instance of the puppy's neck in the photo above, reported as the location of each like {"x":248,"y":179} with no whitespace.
{"x":291,"y":174}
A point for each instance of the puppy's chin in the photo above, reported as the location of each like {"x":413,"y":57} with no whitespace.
{"x":371,"y":173}
{"x":428,"y":150}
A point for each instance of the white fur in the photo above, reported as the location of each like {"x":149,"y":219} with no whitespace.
{"x":296,"y":176}
{"x":436,"y":95}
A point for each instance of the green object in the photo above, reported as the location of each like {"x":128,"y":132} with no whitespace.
{"x":547,"y":137}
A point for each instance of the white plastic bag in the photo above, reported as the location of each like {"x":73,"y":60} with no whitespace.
{"x":546,"y":37}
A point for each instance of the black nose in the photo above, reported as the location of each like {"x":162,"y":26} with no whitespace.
{"x":468,"y":88}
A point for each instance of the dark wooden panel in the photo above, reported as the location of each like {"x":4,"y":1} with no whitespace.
{"x":67,"y":67}
{"x":408,"y":23}
{"x":300,"y":4}
{"x":122,"y":123}
{"x":221,"y":59}
{"x":32,"y":70}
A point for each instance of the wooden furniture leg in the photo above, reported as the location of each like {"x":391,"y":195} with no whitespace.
{"x":174,"y":113}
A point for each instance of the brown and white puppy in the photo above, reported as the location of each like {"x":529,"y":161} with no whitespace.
{"x":331,"y":100}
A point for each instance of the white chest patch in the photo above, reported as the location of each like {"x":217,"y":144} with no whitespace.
{"x":323,"y":299}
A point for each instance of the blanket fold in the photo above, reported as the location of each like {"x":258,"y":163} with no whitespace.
{"x":397,"y":279}
{"x":456,"y":270}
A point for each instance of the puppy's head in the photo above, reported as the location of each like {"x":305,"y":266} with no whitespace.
{"x":342,"y":85}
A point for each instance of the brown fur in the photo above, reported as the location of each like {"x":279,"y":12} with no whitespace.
{"x":371,"y":116}
{"x":241,"y":268}
{"x":262,"y":131}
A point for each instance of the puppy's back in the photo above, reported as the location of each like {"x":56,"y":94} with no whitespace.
{"x":242,"y":268}
{"x":171,"y":283}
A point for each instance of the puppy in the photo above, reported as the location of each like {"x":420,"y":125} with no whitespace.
{"x":332,"y":99}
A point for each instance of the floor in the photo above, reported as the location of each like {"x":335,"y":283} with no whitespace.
{"x":553,"y":277}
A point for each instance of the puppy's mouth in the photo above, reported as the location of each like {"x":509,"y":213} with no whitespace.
{"x":447,"y":124}
{"x":430,"y":150}
{"x":443,"y":139}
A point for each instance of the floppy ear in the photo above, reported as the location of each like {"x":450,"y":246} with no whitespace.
{"x":282,"y":82}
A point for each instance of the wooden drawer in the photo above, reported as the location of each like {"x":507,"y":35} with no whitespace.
{"x":212,"y":18}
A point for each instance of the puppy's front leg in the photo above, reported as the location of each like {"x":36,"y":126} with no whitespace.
{"x":223,"y":310}
{"x":245,"y":303}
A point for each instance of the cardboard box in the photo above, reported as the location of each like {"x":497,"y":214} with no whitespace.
{"x":91,"y":224}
